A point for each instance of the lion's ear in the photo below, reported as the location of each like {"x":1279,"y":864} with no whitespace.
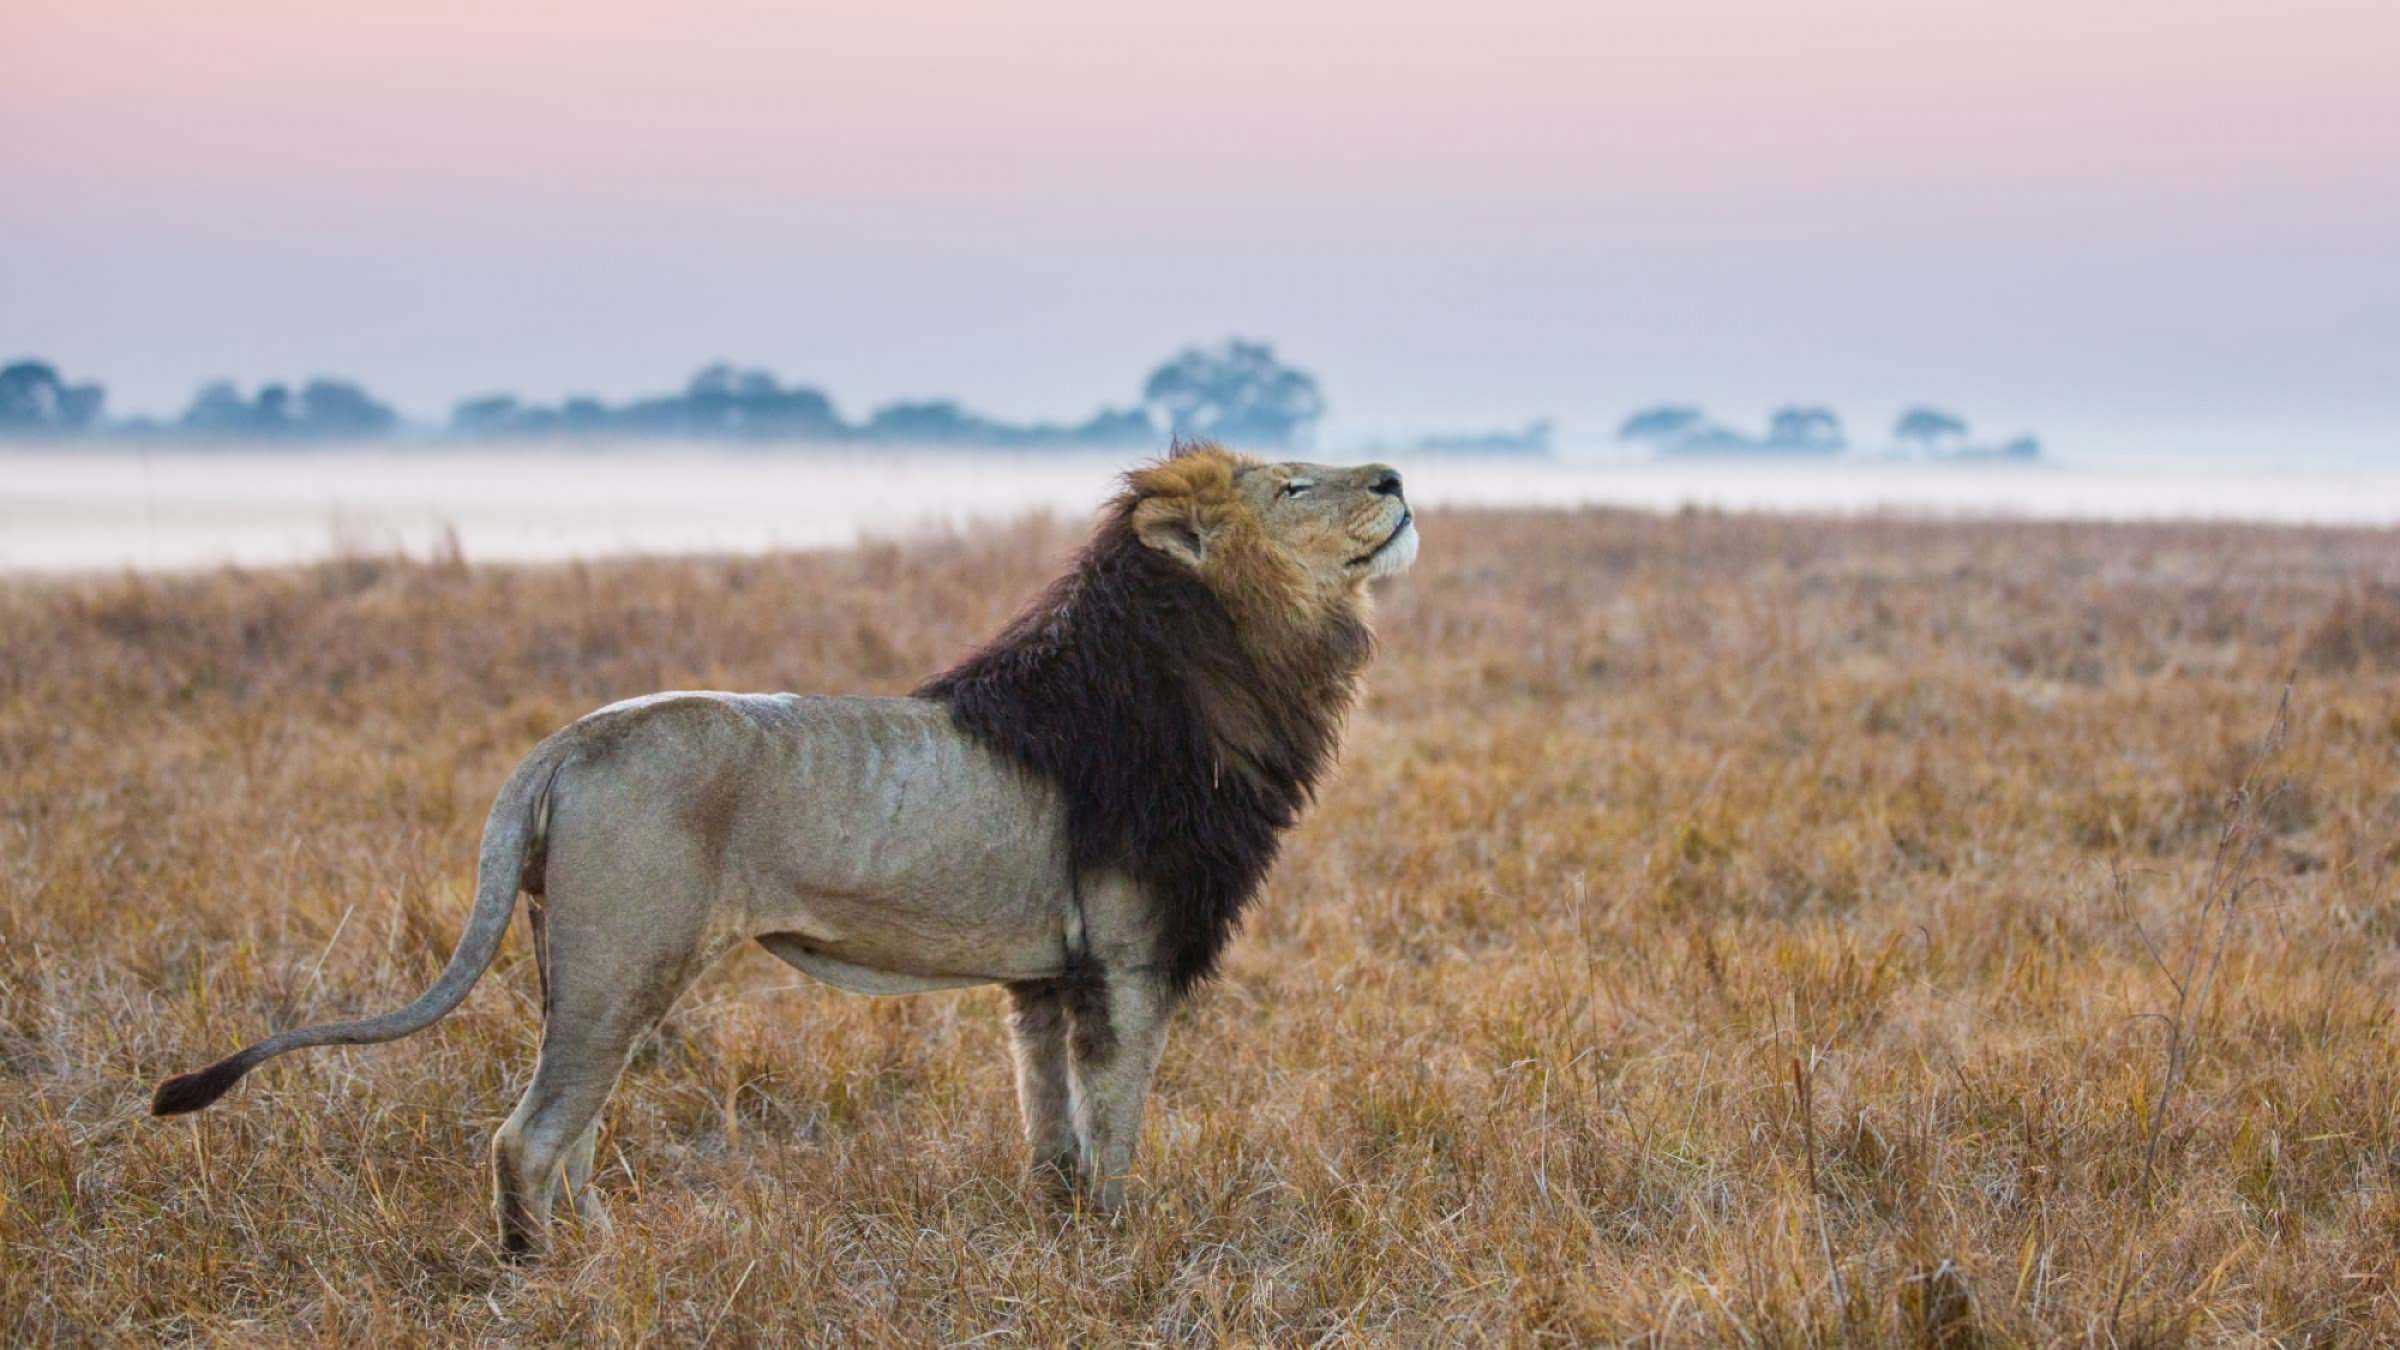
{"x":1169,"y":527}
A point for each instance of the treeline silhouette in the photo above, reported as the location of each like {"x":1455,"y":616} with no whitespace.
{"x":726,"y":403}
{"x":1236,"y":391}
{"x":1680,"y":431}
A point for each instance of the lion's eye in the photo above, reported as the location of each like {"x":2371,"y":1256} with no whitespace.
{"x":1296,"y":487}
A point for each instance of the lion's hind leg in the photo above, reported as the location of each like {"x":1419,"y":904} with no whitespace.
{"x":548,"y":1139}
{"x":544,"y":1150}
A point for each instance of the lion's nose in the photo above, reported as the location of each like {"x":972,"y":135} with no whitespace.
{"x":1386,"y":484}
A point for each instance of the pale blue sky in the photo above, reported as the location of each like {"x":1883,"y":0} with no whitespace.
{"x":2127,"y":225}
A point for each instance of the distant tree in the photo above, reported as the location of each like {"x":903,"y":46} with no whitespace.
{"x":713,"y":398}
{"x":583,"y":416}
{"x":218,"y":410}
{"x":1108,"y":427}
{"x":1663,"y":424}
{"x":1114,"y":426}
{"x":2023,"y":447}
{"x":79,"y":407}
{"x":724,"y":401}
{"x":1712,"y":440}
{"x":325,"y":409}
{"x":34,"y":401}
{"x":720,"y":401}
{"x":1236,"y":392}
{"x":945,"y":422}
{"x":936,"y":422}
{"x":489,"y":415}
{"x":669,"y":415}
{"x":336,"y":408}
{"x":792,"y":411}
{"x":1804,"y":431}
{"x":273,"y":410}
{"x":722,"y":381}
{"x":1927,"y":427}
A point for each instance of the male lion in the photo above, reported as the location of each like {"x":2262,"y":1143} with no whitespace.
{"x":1079,"y":811}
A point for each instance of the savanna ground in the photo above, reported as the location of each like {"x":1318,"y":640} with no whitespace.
{"x":1722,"y":929}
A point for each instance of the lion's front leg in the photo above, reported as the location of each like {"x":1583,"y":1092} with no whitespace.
{"x":1119,"y":1027}
{"x":1037,"y":1038}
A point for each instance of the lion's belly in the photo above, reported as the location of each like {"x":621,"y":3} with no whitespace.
{"x":858,"y":979}
{"x":880,"y":846}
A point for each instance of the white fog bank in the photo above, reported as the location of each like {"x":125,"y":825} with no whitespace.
{"x":82,"y":508}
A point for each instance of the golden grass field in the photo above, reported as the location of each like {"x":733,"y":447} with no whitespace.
{"x":1722,"y":929}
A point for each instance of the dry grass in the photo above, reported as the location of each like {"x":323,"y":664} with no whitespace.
{"x":1722,"y":929}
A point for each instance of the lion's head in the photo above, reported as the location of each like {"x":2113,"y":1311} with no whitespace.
{"x":1302,"y":536}
{"x":1184,"y":683}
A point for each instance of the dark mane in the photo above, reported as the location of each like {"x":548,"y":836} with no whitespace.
{"x":1183,"y":752}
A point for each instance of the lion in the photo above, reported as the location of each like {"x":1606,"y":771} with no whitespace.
{"x":1079,"y":811}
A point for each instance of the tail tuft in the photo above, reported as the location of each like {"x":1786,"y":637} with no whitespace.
{"x":191,"y":1091}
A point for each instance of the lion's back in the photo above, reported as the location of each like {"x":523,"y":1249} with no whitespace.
{"x":850,"y":794}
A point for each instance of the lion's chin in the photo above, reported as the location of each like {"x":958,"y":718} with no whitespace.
{"x":1396,"y":554}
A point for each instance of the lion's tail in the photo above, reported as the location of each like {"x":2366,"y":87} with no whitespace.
{"x":512,"y":859}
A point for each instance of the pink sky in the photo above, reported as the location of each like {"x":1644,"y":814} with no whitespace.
{"x":2142,"y":216}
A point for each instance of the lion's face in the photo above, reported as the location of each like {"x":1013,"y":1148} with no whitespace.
{"x":1341,"y":523}
{"x":1301,"y":533}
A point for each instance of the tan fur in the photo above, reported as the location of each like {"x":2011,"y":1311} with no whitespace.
{"x":873,"y":845}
